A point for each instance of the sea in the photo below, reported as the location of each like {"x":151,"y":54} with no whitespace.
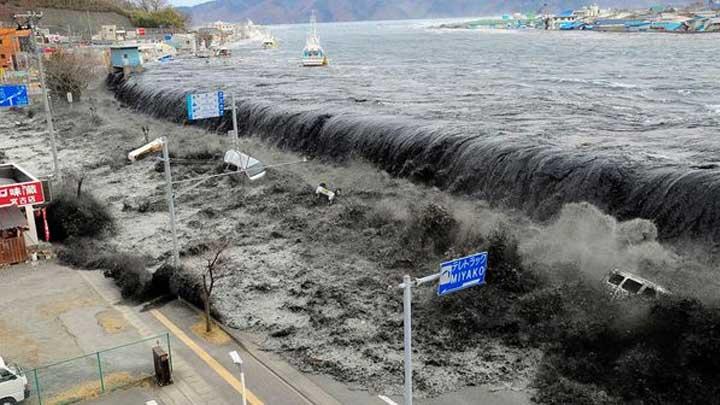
{"x":528,"y":118}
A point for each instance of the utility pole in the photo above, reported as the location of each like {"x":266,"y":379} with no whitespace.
{"x":90,"y":30}
{"x":32,"y":19}
{"x":235,"y":128}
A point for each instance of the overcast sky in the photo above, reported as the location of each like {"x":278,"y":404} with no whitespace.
{"x":186,"y":2}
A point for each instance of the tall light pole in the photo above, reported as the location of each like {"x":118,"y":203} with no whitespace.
{"x":154,"y":146}
{"x":32,"y":19}
{"x":171,"y":201}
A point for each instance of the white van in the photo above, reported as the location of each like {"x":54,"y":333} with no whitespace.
{"x":622,"y":283}
{"x":13,"y":384}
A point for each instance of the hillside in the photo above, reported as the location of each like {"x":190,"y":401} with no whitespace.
{"x":293,"y":11}
{"x":64,"y":21}
{"x":82,"y":17}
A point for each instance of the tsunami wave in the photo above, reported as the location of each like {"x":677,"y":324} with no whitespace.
{"x":684,"y":203}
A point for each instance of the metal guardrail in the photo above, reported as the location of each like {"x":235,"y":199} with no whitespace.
{"x":93,"y":374}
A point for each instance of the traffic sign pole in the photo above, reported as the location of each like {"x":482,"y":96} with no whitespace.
{"x":407,"y":326}
{"x":407,"y":329}
{"x":454,"y":275}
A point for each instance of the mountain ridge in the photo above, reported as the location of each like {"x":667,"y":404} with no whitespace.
{"x":298,"y":11}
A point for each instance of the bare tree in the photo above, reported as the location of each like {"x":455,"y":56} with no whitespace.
{"x":151,"y":6}
{"x":70,"y":72}
{"x":74,"y":177}
{"x":215,"y":269}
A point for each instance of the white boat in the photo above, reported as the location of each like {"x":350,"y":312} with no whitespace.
{"x":223,"y":52}
{"x":270,"y":42}
{"x":313,"y":54}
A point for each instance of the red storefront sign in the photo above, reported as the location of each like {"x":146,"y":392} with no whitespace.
{"x":22,"y":194}
{"x":141,"y":31}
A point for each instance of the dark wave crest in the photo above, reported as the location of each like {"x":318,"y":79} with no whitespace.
{"x":538,"y":179}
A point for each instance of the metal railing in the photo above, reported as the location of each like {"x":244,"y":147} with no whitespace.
{"x":93,"y":374}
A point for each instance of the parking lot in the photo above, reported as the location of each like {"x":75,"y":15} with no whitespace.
{"x":49,"y":313}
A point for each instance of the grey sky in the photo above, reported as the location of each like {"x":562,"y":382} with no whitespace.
{"x":186,"y":2}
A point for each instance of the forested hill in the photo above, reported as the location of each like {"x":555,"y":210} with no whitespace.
{"x":84,"y":15}
{"x":292,"y":11}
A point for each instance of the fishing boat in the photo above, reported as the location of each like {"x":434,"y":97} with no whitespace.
{"x":313,"y":54}
{"x":269,"y":42}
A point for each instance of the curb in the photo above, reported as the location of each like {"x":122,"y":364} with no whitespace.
{"x":303,"y":386}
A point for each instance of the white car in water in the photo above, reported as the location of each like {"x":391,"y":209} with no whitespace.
{"x":13,"y":384}
{"x":622,"y":283}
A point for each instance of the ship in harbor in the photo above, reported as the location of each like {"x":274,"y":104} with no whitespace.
{"x":313,"y":54}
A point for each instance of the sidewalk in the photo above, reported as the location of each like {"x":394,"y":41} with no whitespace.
{"x":203,"y":371}
{"x":189,"y":386}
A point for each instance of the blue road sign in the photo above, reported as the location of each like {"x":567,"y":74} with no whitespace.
{"x":14,"y":95}
{"x":205,"y":105}
{"x":462,"y":273}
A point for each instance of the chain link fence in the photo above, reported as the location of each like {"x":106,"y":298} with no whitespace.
{"x":91,"y":375}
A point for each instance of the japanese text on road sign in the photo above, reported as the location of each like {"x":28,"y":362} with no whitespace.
{"x":205,"y":105}
{"x":462,"y":273}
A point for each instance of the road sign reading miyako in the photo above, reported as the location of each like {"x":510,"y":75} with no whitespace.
{"x":462,"y":273}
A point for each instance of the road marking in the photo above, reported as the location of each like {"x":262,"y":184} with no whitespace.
{"x":387,"y":400}
{"x":214,"y":364}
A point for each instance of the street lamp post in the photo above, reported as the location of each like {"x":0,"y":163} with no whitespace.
{"x":235,"y":356}
{"x":171,"y":201}
{"x":162,"y":143}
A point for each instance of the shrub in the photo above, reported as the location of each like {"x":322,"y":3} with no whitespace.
{"x":554,"y":388}
{"x":431,"y":227}
{"x":505,"y":269}
{"x":128,"y":270}
{"x":70,"y":215}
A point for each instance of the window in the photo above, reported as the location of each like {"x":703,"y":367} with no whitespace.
{"x":649,"y":292}
{"x":631,"y":286}
{"x":6,"y":375}
{"x":616,"y":279}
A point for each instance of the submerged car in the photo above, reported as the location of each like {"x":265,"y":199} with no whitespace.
{"x":622,"y":283}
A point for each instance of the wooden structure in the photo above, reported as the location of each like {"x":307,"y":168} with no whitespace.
{"x":12,"y":241}
{"x":10,"y":46}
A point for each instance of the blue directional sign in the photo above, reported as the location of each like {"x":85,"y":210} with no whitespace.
{"x":205,"y":105}
{"x":462,"y":273}
{"x":14,"y":95}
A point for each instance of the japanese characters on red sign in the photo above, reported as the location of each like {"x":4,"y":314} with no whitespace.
{"x":22,"y":194}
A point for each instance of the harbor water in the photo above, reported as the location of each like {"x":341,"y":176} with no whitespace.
{"x":528,"y":119}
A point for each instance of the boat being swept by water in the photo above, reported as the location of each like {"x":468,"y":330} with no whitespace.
{"x":223,"y":52}
{"x":313,"y":54}
{"x":270,"y":42}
